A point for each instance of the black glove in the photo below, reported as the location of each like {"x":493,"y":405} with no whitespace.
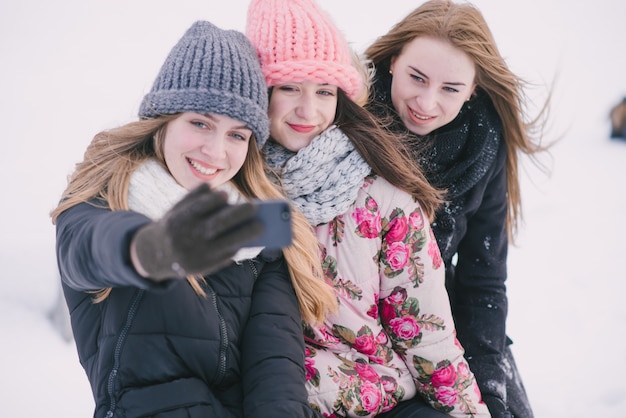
{"x":496,"y":407}
{"x":198,"y":235}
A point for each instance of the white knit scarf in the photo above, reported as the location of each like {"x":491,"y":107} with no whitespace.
{"x":323,"y":178}
{"x":152,"y":191}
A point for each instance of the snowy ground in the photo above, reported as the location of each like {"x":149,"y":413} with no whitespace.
{"x":72,"y":68}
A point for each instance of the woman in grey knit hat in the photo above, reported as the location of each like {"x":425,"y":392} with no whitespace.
{"x":172,"y":315}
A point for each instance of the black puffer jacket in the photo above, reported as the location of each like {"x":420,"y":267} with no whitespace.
{"x":165,"y":351}
{"x":467,"y":157}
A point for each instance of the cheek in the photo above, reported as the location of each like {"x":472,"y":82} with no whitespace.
{"x":453,"y":109}
{"x":330,"y":110}
{"x":239,"y":157}
{"x":275,"y":132}
{"x":398,"y":93}
{"x":169,"y":150}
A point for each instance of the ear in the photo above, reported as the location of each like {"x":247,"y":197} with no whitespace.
{"x":392,"y":63}
{"x":473,"y":93}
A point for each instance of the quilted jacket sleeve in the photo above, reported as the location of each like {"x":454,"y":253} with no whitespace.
{"x":92,"y":246}
{"x":273,"y":349}
{"x":480,"y":302}
{"x":415,"y":311}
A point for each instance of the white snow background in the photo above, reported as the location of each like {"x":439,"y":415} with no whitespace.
{"x":71,"y":68}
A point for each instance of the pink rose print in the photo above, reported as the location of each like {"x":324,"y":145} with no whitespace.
{"x":370,"y":397}
{"x":381,"y":338}
{"x":365,"y":344}
{"x":397,"y":255}
{"x":377,"y":359}
{"x":309,"y":367}
{"x":435,"y":254}
{"x":324,"y":335}
{"x":388,"y":312}
{"x":371,"y":205}
{"x":398,"y":229}
{"x":390,"y":385}
{"x":366,"y":372}
{"x":457,"y":343}
{"x":368,"y":223}
{"x":478,"y":393}
{"x":397,"y":297}
{"x":372,"y":312}
{"x":405,"y":327}
{"x":445,"y":376}
{"x":463,"y":371}
{"x":416,"y":220}
{"x":446,"y":395}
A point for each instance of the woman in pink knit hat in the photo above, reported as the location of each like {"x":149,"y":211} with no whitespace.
{"x":391,"y":349}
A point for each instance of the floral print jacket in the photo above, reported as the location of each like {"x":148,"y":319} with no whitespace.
{"x":393,"y":337}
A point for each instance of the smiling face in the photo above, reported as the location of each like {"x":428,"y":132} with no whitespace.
{"x":299,"y":112}
{"x":205,"y":149}
{"x":431,"y":81}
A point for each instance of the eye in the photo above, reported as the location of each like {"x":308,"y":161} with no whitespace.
{"x":451,"y":89}
{"x":417,"y":78}
{"x":199,"y":124}
{"x":241,"y":136}
{"x":287,"y":88}
{"x":326,"y":92}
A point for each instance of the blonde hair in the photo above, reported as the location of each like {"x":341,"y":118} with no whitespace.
{"x":464,"y":27}
{"x":105,"y":173}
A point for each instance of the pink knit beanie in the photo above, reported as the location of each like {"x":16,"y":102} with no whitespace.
{"x":297,"y":41}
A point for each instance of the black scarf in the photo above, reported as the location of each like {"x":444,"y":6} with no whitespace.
{"x":454,"y":157}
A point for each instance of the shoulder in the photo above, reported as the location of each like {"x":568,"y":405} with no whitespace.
{"x":386,"y":194}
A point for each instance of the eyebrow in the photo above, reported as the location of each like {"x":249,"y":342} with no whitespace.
{"x":210,"y":116}
{"x":450,"y":83}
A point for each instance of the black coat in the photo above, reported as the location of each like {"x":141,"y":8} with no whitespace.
{"x":163,"y":350}
{"x":467,"y":157}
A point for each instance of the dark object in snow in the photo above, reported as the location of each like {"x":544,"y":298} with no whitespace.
{"x":618,"y":120}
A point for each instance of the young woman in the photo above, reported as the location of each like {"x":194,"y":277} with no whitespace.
{"x":171,"y":314}
{"x":448,"y":91}
{"x":391,"y":349}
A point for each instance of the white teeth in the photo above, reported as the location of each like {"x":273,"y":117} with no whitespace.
{"x":420,"y":117}
{"x":203,"y":170}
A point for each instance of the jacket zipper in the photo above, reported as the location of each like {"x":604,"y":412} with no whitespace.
{"x":224,"y":341}
{"x":118,"y":348}
{"x":221,"y":371}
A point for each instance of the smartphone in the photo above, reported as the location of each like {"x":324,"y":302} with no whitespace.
{"x":276,"y":218}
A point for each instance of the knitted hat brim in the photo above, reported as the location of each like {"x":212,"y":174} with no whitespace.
{"x":324,"y":72}
{"x":209,"y":101}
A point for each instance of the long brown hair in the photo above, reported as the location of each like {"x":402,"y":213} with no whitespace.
{"x":464,"y":27}
{"x":112,"y":157}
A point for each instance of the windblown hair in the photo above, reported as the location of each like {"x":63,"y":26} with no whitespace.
{"x":464,"y":27}
{"x":385,"y":152}
{"x":113,"y":156}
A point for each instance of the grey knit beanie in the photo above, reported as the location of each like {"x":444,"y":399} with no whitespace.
{"x":211,"y":70}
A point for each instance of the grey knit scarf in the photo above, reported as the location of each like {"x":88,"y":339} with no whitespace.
{"x":323,"y":178}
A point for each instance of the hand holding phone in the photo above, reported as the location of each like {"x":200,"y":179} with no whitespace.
{"x":275,"y":215}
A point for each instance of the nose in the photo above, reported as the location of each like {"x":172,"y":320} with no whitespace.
{"x":305,"y":108}
{"x":215,"y":146}
{"x":426,"y":100}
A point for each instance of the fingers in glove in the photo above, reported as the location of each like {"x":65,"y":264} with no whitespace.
{"x":238,"y":236}
{"x":225,"y":220}
{"x":209,"y":258}
{"x":198,"y":202}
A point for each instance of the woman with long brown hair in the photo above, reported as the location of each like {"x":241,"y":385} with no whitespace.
{"x":442,"y":82}
{"x":391,"y":349}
